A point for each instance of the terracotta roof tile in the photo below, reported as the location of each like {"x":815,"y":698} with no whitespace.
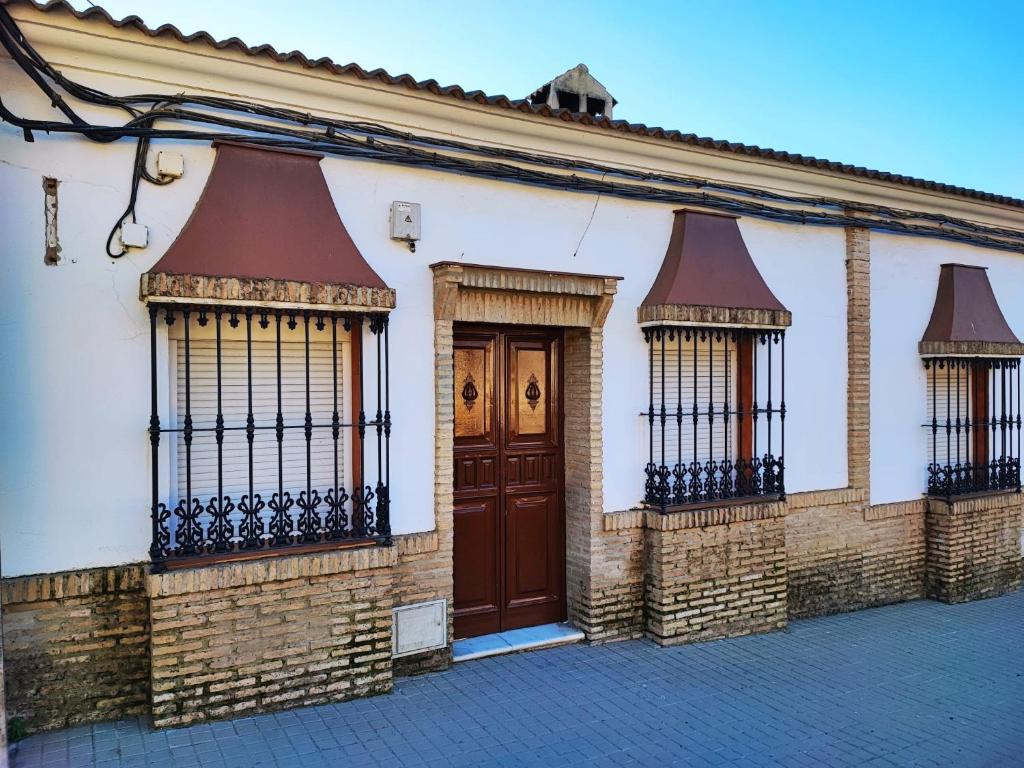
{"x":522,"y":105}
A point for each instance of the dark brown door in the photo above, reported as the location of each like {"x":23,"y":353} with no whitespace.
{"x":509,"y":510}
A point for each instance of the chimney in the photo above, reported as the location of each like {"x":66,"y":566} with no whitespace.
{"x":576,"y":90}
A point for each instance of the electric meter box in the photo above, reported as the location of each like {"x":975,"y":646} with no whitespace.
{"x":405,"y":221}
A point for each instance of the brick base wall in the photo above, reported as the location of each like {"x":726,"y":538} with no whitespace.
{"x":844,"y":554}
{"x":268,"y":634}
{"x":973,"y":547}
{"x":424,"y":572}
{"x":75,"y":646}
{"x":715,"y":573}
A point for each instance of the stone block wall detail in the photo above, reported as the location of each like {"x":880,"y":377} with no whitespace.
{"x":973,"y":547}
{"x":235,"y":639}
{"x":707,"y":580}
{"x":76,"y":646}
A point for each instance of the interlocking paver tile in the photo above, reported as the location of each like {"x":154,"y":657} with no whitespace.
{"x":919,"y":684}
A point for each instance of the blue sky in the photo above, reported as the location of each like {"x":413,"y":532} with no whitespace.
{"x":930,"y":89}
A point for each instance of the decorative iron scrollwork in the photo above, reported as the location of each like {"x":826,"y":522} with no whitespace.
{"x":532,"y":392}
{"x":469,"y":392}
{"x":290,"y":516}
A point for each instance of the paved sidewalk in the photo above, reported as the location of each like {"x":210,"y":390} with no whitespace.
{"x":919,"y":684}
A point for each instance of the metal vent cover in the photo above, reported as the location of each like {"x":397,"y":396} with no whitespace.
{"x":419,"y":627}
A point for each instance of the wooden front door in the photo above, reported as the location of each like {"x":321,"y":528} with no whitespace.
{"x":509,"y":509}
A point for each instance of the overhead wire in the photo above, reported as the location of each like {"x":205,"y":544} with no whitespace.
{"x":273,"y":126}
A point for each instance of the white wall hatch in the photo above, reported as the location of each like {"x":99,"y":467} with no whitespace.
{"x":420,"y":627}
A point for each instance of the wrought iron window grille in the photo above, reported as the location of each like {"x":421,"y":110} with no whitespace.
{"x":192,"y":525}
{"x":974,"y":425}
{"x":716,"y":415}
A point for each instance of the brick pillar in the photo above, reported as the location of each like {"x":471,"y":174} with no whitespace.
{"x":858,"y":354}
{"x":583,"y":477}
{"x":973,"y":547}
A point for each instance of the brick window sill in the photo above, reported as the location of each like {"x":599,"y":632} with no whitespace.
{"x":220,"y":558}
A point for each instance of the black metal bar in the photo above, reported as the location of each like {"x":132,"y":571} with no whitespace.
{"x":309,"y":500}
{"x":678,"y":470}
{"x":991,"y":425}
{"x":767,"y":341}
{"x":781,"y":473}
{"x":160,"y":536}
{"x":695,"y":470}
{"x":949,"y":422}
{"x":186,"y":317}
{"x":361,"y":495}
{"x":251,"y":528}
{"x":281,"y":502}
{"x":649,"y":485}
{"x":378,"y":329}
{"x":221,"y":529}
{"x":957,"y":475}
{"x":710,"y":485}
{"x":662,"y":413}
{"x":754,"y":412}
{"x":935,"y":427}
{"x":384,"y":499}
{"x":727,"y":458}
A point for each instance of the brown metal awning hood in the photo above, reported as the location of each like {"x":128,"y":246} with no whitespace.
{"x":966,"y":318}
{"x":708,"y":277}
{"x":265,"y":231}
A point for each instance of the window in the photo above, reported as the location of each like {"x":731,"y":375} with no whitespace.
{"x":716,"y":414}
{"x":269,"y":441}
{"x":974,"y":424}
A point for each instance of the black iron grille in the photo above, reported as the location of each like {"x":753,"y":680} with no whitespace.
{"x":974,"y":425}
{"x":716,"y":414}
{"x":248,"y":422}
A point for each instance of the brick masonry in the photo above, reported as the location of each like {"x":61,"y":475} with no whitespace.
{"x":75,"y":646}
{"x":255,"y":636}
{"x":424,"y":572}
{"x":973,"y":547}
{"x":844,"y":554}
{"x":604,"y":569}
{"x":714,"y":573}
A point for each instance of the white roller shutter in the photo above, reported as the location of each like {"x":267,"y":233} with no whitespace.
{"x":940,"y":382}
{"x":715,"y":384}
{"x":203,"y":396}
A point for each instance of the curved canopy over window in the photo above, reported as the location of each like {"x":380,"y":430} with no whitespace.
{"x":265,"y":229}
{"x":966,"y":318}
{"x":708,"y":278}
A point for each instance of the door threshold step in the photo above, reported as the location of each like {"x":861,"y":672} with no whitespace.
{"x":513,"y":640}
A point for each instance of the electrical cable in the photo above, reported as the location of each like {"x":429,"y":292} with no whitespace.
{"x":371,"y":141}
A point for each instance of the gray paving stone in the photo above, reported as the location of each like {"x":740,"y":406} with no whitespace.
{"x":920,"y":684}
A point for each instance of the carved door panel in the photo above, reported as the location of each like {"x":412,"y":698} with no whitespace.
{"x":509,"y":513}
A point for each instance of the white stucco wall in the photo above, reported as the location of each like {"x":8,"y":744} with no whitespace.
{"x":904,"y":276}
{"x":74,"y":404}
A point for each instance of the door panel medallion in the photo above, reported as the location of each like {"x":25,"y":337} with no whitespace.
{"x":530,"y":405}
{"x":474,"y":383}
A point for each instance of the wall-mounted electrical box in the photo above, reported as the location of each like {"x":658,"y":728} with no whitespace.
{"x":134,"y":235}
{"x":405,"y":222}
{"x":170,"y":165}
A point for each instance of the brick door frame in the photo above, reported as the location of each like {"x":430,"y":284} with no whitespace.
{"x":469,"y":293}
